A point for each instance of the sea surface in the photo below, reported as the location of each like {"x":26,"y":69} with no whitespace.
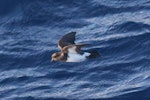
{"x":118,"y":29}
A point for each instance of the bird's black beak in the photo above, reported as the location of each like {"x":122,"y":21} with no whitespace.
{"x":52,"y":60}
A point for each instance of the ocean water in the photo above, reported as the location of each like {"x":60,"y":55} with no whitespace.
{"x":118,"y":29}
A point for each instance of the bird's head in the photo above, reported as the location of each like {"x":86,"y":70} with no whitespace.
{"x":56,"y":56}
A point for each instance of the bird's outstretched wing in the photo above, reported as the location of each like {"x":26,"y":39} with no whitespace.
{"x":66,"y":40}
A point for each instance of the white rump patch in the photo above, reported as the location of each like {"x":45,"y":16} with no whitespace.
{"x":75,"y":57}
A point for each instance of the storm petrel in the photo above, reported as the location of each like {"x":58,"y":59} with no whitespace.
{"x":71,"y":52}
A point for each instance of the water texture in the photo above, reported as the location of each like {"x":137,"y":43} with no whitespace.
{"x":118,"y":29}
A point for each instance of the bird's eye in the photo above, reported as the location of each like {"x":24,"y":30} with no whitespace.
{"x":55,"y":56}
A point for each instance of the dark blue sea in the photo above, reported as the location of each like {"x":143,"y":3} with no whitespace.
{"x":118,"y":29}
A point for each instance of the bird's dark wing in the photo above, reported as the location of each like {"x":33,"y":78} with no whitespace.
{"x":66,"y":40}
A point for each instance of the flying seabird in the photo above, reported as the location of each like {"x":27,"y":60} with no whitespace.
{"x":71,"y":52}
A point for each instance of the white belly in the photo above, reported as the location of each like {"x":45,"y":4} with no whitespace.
{"x":75,"y":57}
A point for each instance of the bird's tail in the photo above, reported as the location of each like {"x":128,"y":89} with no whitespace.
{"x":94,"y":54}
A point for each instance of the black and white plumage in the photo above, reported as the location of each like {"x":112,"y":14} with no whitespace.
{"x":71,"y":52}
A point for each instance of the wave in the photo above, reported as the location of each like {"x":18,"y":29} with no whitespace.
{"x":29,"y":31}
